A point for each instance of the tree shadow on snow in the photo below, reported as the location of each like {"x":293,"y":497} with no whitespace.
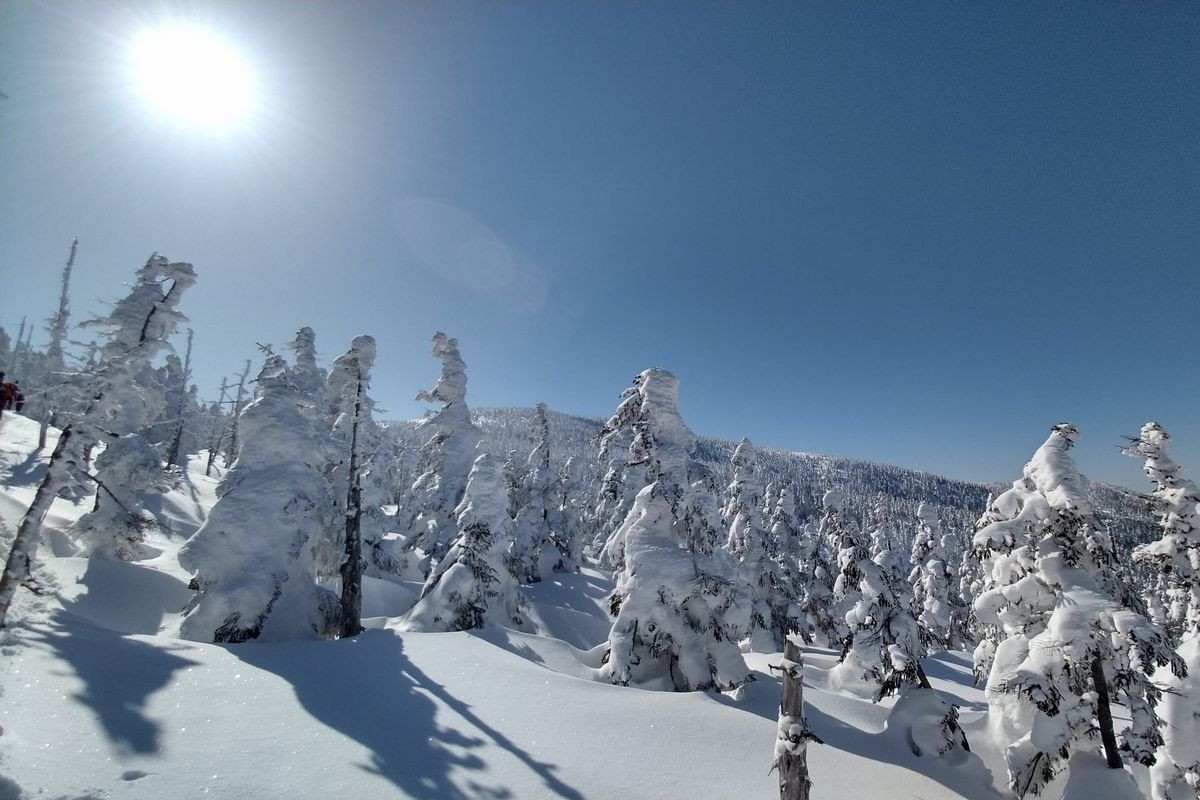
{"x":28,"y":472}
{"x":946,"y":668}
{"x":119,"y":675}
{"x":386,"y":703}
{"x":126,"y":597}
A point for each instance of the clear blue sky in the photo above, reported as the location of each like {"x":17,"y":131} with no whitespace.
{"x":917,"y":233}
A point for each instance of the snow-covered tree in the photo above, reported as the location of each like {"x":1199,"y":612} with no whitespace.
{"x":669,"y":603}
{"x":253,"y":558}
{"x":473,"y":584}
{"x":1176,"y":554}
{"x":117,"y":524}
{"x":448,"y":456}
{"x":884,"y":650}
{"x":1069,"y":643}
{"x":58,"y":325}
{"x":355,"y":440}
{"x":845,"y":544}
{"x":769,"y":593}
{"x":567,"y":520}
{"x":817,"y":576}
{"x":1176,"y":772}
{"x":308,"y":378}
{"x":138,"y":330}
{"x":533,"y":517}
{"x":932,"y":581}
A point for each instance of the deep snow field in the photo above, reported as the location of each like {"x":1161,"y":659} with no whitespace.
{"x":100,"y":699}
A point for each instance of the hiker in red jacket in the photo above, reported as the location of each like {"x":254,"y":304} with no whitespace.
{"x":8,"y":396}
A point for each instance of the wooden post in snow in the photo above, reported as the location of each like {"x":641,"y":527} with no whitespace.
{"x":791,"y":743}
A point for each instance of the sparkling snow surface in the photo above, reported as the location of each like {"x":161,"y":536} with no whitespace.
{"x":97,"y":700}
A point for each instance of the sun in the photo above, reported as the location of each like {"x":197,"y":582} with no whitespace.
{"x":192,"y":76}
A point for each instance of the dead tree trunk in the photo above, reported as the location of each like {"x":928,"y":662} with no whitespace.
{"x":791,"y":744}
{"x":16,"y":568}
{"x":218,"y":431}
{"x":352,"y":567}
{"x":1104,"y":713}
{"x":177,"y":439}
{"x":231,"y":450}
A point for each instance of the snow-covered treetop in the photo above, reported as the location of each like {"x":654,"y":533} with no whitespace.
{"x":360,"y":357}
{"x":661,"y":440}
{"x":1179,"y":506}
{"x":1055,"y":474}
{"x":148,"y":315}
{"x":304,"y":346}
{"x":341,"y":388}
{"x":451,"y":388}
{"x":308,"y":377}
{"x":834,"y":500}
{"x":539,"y":457}
{"x":485,"y":498}
{"x":1152,"y":445}
{"x":1051,"y":482}
{"x":927,"y":516}
{"x":743,"y":455}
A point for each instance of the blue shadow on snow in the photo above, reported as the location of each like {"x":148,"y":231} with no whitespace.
{"x":387,"y":707}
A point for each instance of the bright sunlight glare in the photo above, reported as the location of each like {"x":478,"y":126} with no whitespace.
{"x":191,"y":75}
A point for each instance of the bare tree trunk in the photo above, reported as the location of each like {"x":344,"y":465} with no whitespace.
{"x":214,"y":438}
{"x":16,"y":568}
{"x":232,"y":450}
{"x":58,"y":323}
{"x":173,"y":455}
{"x":43,"y":429}
{"x":15,"y":359}
{"x":1111,"y":754}
{"x":352,"y":568}
{"x":791,"y":745}
{"x":922,"y":678}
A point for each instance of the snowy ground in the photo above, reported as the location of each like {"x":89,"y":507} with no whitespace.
{"x":99,"y":700}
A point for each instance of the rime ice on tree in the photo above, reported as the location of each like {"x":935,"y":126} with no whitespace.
{"x":770,"y":595}
{"x":1067,"y":642}
{"x":448,"y":456}
{"x":884,"y":650}
{"x":1176,"y":554}
{"x":473,"y":583}
{"x":670,"y":631}
{"x":253,"y":558}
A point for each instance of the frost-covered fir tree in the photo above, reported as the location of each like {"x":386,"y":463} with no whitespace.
{"x":473,"y":584}
{"x":609,"y":499}
{"x":568,"y":518}
{"x":126,"y":394}
{"x":447,"y":456}
{"x":1069,"y":643}
{"x":1176,"y":772}
{"x":1177,"y":553}
{"x":884,"y":649}
{"x":116,"y":526}
{"x":817,"y":576}
{"x":669,"y":604}
{"x":932,"y":580}
{"x":361,"y":455}
{"x":769,"y":593}
{"x":533,"y":517}
{"x":253,"y":558}
{"x":845,"y":544}
{"x":786,"y":536}
{"x":123,"y":397}
{"x":308,"y":378}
